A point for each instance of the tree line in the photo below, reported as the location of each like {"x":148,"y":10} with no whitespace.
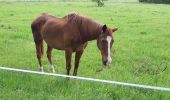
{"x":156,"y":1}
{"x":100,"y":3}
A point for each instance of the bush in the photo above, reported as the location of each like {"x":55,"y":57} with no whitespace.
{"x":156,"y":1}
{"x":100,"y":3}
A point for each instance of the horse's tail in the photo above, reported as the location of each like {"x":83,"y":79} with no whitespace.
{"x":36,"y":31}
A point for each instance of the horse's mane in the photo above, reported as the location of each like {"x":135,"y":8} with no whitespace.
{"x":85,"y":25}
{"x":78,"y":19}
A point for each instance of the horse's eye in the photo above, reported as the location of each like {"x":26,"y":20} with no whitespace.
{"x":104,"y":42}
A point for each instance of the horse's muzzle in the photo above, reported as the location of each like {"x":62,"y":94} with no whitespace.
{"x":106,"y":63}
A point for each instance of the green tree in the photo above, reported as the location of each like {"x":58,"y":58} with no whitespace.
{"x":100,"y":3}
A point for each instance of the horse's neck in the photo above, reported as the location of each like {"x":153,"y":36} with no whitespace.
{"x":91,"y":33}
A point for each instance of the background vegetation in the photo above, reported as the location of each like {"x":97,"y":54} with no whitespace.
{"x":155,"y":1}
{"x":141,"y":52}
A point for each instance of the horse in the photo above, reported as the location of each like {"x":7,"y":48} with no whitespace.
{"x":70,"y":33}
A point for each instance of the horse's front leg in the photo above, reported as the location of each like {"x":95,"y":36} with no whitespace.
{"x":79,"y":52}
{"x":68,"y":54}
{"x":77,"y":60}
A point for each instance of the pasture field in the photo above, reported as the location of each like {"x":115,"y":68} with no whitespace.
{"x":142,"y":53}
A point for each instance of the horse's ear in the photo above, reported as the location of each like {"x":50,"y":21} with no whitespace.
{"x":104,"y":28}
{"x":114,"y":29}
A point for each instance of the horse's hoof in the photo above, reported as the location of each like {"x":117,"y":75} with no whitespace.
{"x":52,"y":70}
{"x":41,"y":69}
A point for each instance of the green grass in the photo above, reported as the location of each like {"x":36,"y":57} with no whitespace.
{"x":142,"y":52}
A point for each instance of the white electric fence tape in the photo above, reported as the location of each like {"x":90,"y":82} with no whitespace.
{"x":89,"y":79}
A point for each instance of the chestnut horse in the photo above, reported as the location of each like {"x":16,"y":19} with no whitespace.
{"x":70,"y":33}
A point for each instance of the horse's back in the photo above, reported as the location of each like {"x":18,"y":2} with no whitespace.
{"x":40,"y":21}
{"x":60,"y":34}
{"x":53,"y":33}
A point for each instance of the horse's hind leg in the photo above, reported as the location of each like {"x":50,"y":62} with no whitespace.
{"x":39,"y":56}
{"x":49,"y":50}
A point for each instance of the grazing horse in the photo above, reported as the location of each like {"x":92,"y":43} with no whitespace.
{"x":71,"y":34}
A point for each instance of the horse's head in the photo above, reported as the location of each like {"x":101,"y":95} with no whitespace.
{"x":104,"y":43}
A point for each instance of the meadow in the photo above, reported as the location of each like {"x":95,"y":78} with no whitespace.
{"x":140,"y":54}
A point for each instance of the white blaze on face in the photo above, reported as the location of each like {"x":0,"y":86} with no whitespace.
{"x":109,"y":59}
